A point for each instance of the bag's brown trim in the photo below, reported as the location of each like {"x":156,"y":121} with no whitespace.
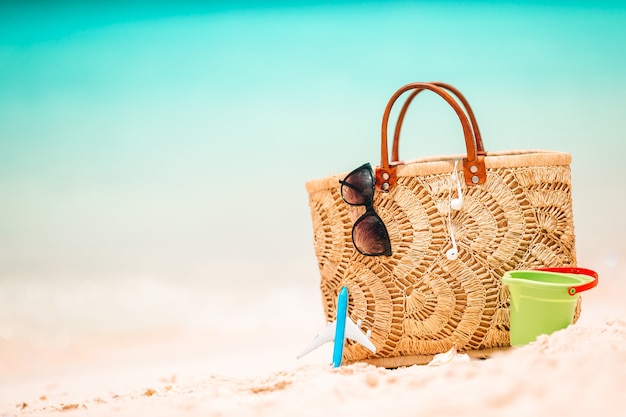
{"x":443,"y":164}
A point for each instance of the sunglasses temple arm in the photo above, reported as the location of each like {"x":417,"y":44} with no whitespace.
{"x":347,"y":184}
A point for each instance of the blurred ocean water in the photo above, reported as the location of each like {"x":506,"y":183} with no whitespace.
{"x":154,"y":152}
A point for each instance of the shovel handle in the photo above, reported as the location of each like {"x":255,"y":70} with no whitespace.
{"x":573,"y":290}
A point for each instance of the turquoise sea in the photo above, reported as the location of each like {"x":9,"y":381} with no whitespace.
{"x":150,"y":151}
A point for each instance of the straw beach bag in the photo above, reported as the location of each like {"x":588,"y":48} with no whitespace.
{"x":422,"y":246}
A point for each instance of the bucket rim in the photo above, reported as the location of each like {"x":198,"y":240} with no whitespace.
{"x":577,"y":280}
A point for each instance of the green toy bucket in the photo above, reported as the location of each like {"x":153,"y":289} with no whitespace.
{"x":543,"y":300}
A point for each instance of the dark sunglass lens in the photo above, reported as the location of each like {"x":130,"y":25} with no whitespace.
{"x":370,"y":236}
{"x":358,"y":187}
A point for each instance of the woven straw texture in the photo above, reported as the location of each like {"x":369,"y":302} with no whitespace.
{"x":417,"y":302}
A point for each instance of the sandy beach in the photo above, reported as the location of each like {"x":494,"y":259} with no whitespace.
{"x":579,"y":371}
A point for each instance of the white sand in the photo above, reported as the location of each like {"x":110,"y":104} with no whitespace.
{"x":579,"y":371}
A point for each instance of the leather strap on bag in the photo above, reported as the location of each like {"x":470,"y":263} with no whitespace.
{"x":473,"y":164}
{"x":468,"y":109}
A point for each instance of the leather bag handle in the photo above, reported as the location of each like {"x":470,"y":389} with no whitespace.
{"x":468,"y":109}
{"x":473,"y":164}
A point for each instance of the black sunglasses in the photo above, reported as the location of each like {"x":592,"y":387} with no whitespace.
{"x":369,"y":233}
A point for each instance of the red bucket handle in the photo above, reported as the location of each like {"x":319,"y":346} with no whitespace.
{"x":578,"y":271}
